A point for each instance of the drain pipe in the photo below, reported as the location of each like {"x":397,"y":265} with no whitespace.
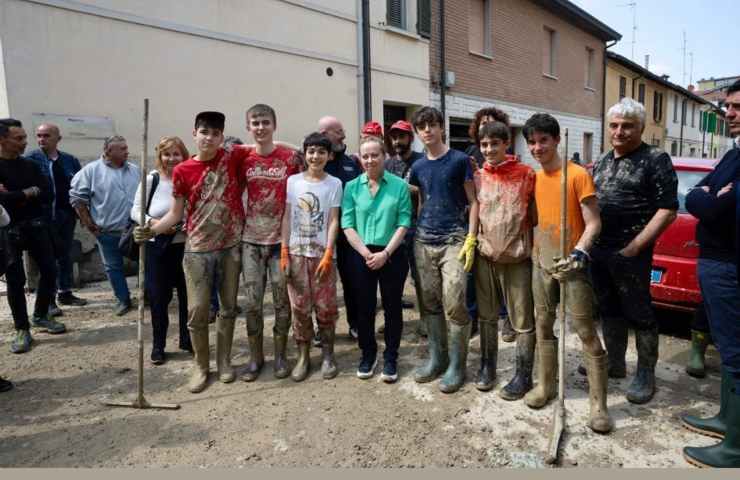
{"x":442,"y":65}
{"x":366,"y":70}
{"x":603,"y":96}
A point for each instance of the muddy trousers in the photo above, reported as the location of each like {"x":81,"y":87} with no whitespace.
{"x":199,"y":271}
{"x":578,"y":305}
{"x":497,"y":284}
{"x":622,"y":287}
{"x":443,"y":282}
{"x":391,"y":278}
{"x":308,"y":293}
{"x":257,"y":262}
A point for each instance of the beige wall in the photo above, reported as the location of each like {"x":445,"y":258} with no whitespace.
{"x":655,"y":132}
{"x":105,"y":61}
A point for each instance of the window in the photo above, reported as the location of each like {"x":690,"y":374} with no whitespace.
{"x":396,"y":13}
{"x":590,"y":67}
{"x":622,"y":87}
{"x":641,"y":93}
{"x":479,"y":27}
{"x":693,"y":114}
{"x":549,"y":52}
{"x":657,"y":107}
{"x":424,"y":18}
{"x":674,"y":149}
{"x":675,"y":108}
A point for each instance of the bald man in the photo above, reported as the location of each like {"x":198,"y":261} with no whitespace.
{"x":345,"y":169}
{"x":59,"y":167}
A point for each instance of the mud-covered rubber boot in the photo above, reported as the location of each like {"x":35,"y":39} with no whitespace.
{"x":699,"y":342}
{"x":303,"y":364}
{"x":201,"y":354}
{"x":547,"y":365}
{"x":256,"y":358}
{"x":486,"y":378}
{"x":508,"y":334}
{"x":642,"y":388}
{"x":596,"y":367}
{"x":714,"y":426}
{"x":280,"y":369}
{"x":328,"y":365}
{"x":438,"y":358}
{"x":725,"y":454}
{"x":224,"y":341}
{"x":522,"y":381}
{"x":454,"y":377}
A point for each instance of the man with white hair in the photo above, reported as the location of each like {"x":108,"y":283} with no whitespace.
{"x":637,"y":192}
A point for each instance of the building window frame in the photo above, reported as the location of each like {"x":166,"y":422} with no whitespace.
{"x":550,"y":52}
{"x":487,"y":30}
{"x":396,"y":14}
{"x":641,"y":93}
{"x":590,"y":68}
{"x":622,"y":87}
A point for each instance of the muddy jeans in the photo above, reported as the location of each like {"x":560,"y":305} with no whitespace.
{"x":308,"y":293}
{"x":257,"y":260}
{"x":199,"y":271}
{"x":578,"y":304}
{"x":443,"y":282}
{"x":499,"y":284}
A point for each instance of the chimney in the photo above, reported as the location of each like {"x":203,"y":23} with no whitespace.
{"x":691,"y":88}
{"x":647,"y":62}
{"x":665,"y":77}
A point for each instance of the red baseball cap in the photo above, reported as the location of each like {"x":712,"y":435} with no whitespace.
{"x":402,"y":125}
{"x":372,"y":128}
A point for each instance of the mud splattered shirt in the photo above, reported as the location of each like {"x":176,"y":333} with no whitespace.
{"x":630,"y":190}
{"x":442,"y":183}
{"x":547,"y":197}
{"x":310,"y":205}
{"x":506,"y":199}
{"x":266,"y":179}
{"x":212,"y":192}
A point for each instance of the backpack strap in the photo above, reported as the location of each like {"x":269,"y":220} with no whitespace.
{"x":155,"y":183}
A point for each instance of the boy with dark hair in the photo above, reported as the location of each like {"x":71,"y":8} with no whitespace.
{"x":443,"y":252}
{"x":266,"y":171}
{"x":209,"y":186}
{"x":550,"y":273}
{"x":503,"y":266}
{"x":309,"y":229}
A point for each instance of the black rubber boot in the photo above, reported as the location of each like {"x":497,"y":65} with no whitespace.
{"x":522,"y":381}
{"x":488,"y":356}
{"x":615,"y":340}
{"x":256,"y":358}
{"x":642,"y":388}
{"x":726,"y":454}
{"x":454,"y":377}
{"x":438,"y":359}
{"x":715,"y":426}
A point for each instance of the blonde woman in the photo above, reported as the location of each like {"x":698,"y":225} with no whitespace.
{"x":164,"y":252}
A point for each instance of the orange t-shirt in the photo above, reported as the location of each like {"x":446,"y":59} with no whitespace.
{"x":547,"y":197}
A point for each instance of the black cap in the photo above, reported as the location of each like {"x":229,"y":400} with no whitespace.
{"x":211,"y":119}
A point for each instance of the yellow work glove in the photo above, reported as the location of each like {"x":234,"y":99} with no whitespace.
{"x":143,"y":234}
{"x":467,"y":252}
{"x":325,"y":265}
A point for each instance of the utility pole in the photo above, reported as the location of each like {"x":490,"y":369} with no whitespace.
{"x":683,"y":49}
{"x":691,"y":68}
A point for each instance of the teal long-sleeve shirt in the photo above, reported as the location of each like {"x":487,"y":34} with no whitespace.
{"x":376,"y":218}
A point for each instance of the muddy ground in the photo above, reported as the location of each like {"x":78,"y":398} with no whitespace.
{"x":54,"y":417}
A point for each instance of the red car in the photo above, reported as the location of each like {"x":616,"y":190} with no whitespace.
{"x":673,"y":282}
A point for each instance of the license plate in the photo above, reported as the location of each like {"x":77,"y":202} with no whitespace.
{"x":655,"y":276}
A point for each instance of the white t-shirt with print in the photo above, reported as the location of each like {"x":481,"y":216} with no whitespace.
{"x":310,"y":205}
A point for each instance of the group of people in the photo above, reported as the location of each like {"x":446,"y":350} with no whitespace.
{"x":304,"y":216}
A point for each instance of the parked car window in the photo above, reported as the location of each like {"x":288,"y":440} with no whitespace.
{"x":686,"y":181}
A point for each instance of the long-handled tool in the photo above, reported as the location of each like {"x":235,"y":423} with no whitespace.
{"x":558,"y":419}
{"x":140,"y":401}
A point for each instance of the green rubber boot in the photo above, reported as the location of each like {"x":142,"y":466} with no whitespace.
{"x":438,"y":359}
{"x":454,"y":377}
{"x":699,"y":343}
{"x":715,"y":426}
{"x":725,"y":454}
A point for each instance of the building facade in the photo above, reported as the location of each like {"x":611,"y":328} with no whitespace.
{"x":524,"y":57}
{"x":88,"y":64}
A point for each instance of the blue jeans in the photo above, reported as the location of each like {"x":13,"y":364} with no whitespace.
{"x":719,"y":287}
{"x":113,"y":263}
